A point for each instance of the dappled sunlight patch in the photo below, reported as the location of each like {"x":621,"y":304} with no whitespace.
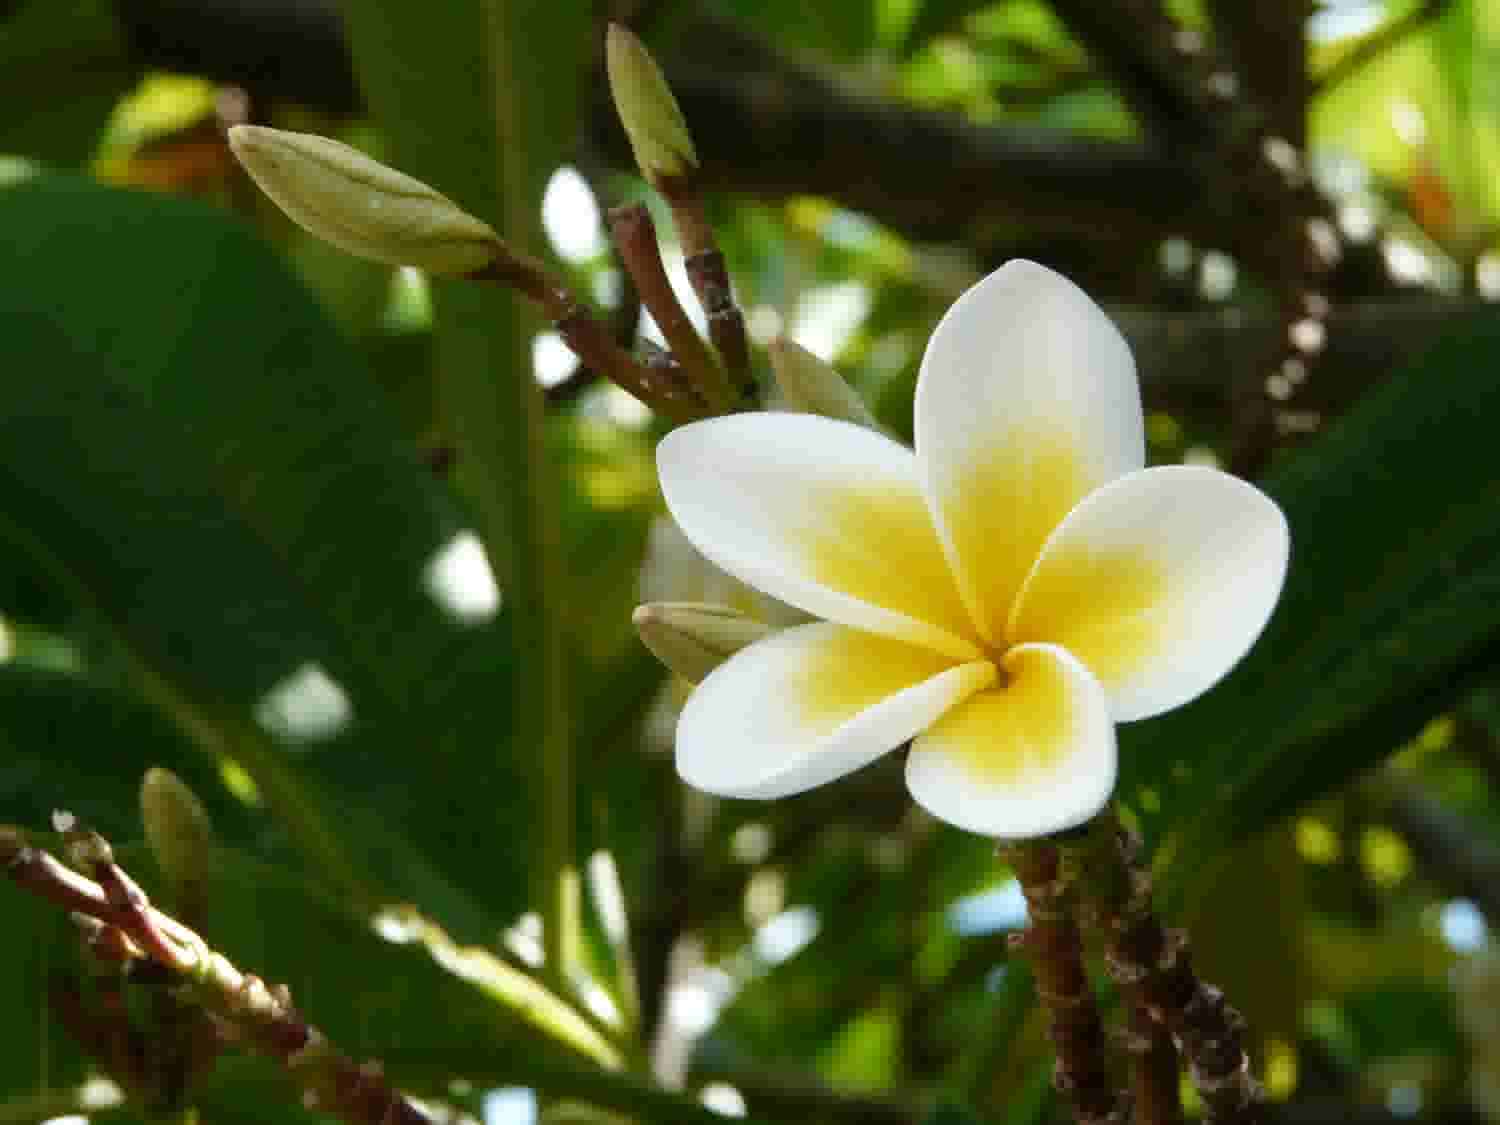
{"x":308,"y":705}
{"x":460,"y":580}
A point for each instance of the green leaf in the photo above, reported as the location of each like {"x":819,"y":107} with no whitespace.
{"x":69,"y":744}
{"x":845,"y":30}
{"x":195,"y":457}
{"x":1391,"y":609}
{"x":63,"y":66}
{"x":479,"y":98}
{"x":935,"y":17}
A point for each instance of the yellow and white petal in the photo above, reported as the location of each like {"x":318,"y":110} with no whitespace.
{"x":824,"y":515}
{"x":1159,"y":583}
{"x":811,"y":704}
{"x":1033,"y":756}
{"x":1027,"y":401}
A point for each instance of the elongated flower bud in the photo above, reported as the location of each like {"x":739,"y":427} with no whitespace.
{"x":652,"y":118}
{"x":813,"y":387}
{"x":178,"y":832}
{"x":360,"y":205}
{"x":694,"y":638}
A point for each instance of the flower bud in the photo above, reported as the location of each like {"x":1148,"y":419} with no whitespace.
{"x":813,"y":387}
{"x":178,"y":832}
{"x":694,"y":638}
{"x":361,"y":206}
{"x":652,"y":119}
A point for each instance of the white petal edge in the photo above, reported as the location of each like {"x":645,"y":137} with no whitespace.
{"x":743,"y":733}
{"x":753,"y":491}
{"x":1041,"y":801}
{"x":1027,"y":400}
{"x":1221,"y":547}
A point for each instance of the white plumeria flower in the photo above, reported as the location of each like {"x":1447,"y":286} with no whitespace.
{"x":1000,"y":598}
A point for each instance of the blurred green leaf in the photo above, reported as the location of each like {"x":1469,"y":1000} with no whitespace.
{"x":494,"y":152}
{"x":845,"y":30}
{"x":1391,"y":609}
{"x":66,"y":743}
{"x":197,"y":459}
{"x":934,"y":17}
{"x":63,"y":67}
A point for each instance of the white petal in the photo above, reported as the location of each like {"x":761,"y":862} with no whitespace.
{"x":824,"y":515}
{"x":1028,"y":758}
{"x":1026,"y":402}
{"x":1159,"y":583}
{"x":811,"y":704}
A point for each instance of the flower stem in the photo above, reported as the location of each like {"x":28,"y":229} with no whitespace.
{"x":1153,"y":969}
{"x":1052,"y":939}
{"x":590,"y":339}
{"x":635,"y":238}
{"x":709,"y":277}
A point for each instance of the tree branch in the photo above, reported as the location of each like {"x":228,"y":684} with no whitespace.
{"x":763,"y":125}
{"x":1268,"y":42}
{"x":128,"y":927}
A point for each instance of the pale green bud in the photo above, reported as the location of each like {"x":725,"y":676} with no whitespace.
{"x":694,"y":638}
{"x":178,"y":832}
{"x":653,"y":121}
{"x":361,"y":206}
{"x":813,"y":387}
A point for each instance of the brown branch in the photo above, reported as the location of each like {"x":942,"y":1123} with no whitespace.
{"x":764,"y":127}
{"x":590,"y":338}
{"x":709,"y":277}
{"x":635,"y":240}
{"x":1153,"y":968}
{"x":1052,"y":941}
{"x":1154,"y":1064}
{"x":1268,"y":42}
{"x":240,"y":1003}
{"x":1133,"y":40}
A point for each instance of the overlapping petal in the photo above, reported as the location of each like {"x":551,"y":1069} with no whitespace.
{"x":1159,"y":583}
{"x":824,"y":515}
{"x":1027,"y":400}
{"x":810,"y":704}
{"x":1032,"y":756}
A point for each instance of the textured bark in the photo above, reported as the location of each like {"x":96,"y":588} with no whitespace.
{"x":1153,"y":968}
{"x":1052,"y":941}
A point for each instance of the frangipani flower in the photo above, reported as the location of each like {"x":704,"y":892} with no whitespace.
{"x":1000,"y":597}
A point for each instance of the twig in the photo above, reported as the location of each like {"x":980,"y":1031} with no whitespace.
{"x":709,"y":277}
{"x":1052,"y":939}
{"x":590,"y":339}
{"x":262,"y":1017}
{"x":635,"y":239}
{"x":1153,"y":968}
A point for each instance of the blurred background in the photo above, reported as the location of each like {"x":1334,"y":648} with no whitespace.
{"x":244,"y":532}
